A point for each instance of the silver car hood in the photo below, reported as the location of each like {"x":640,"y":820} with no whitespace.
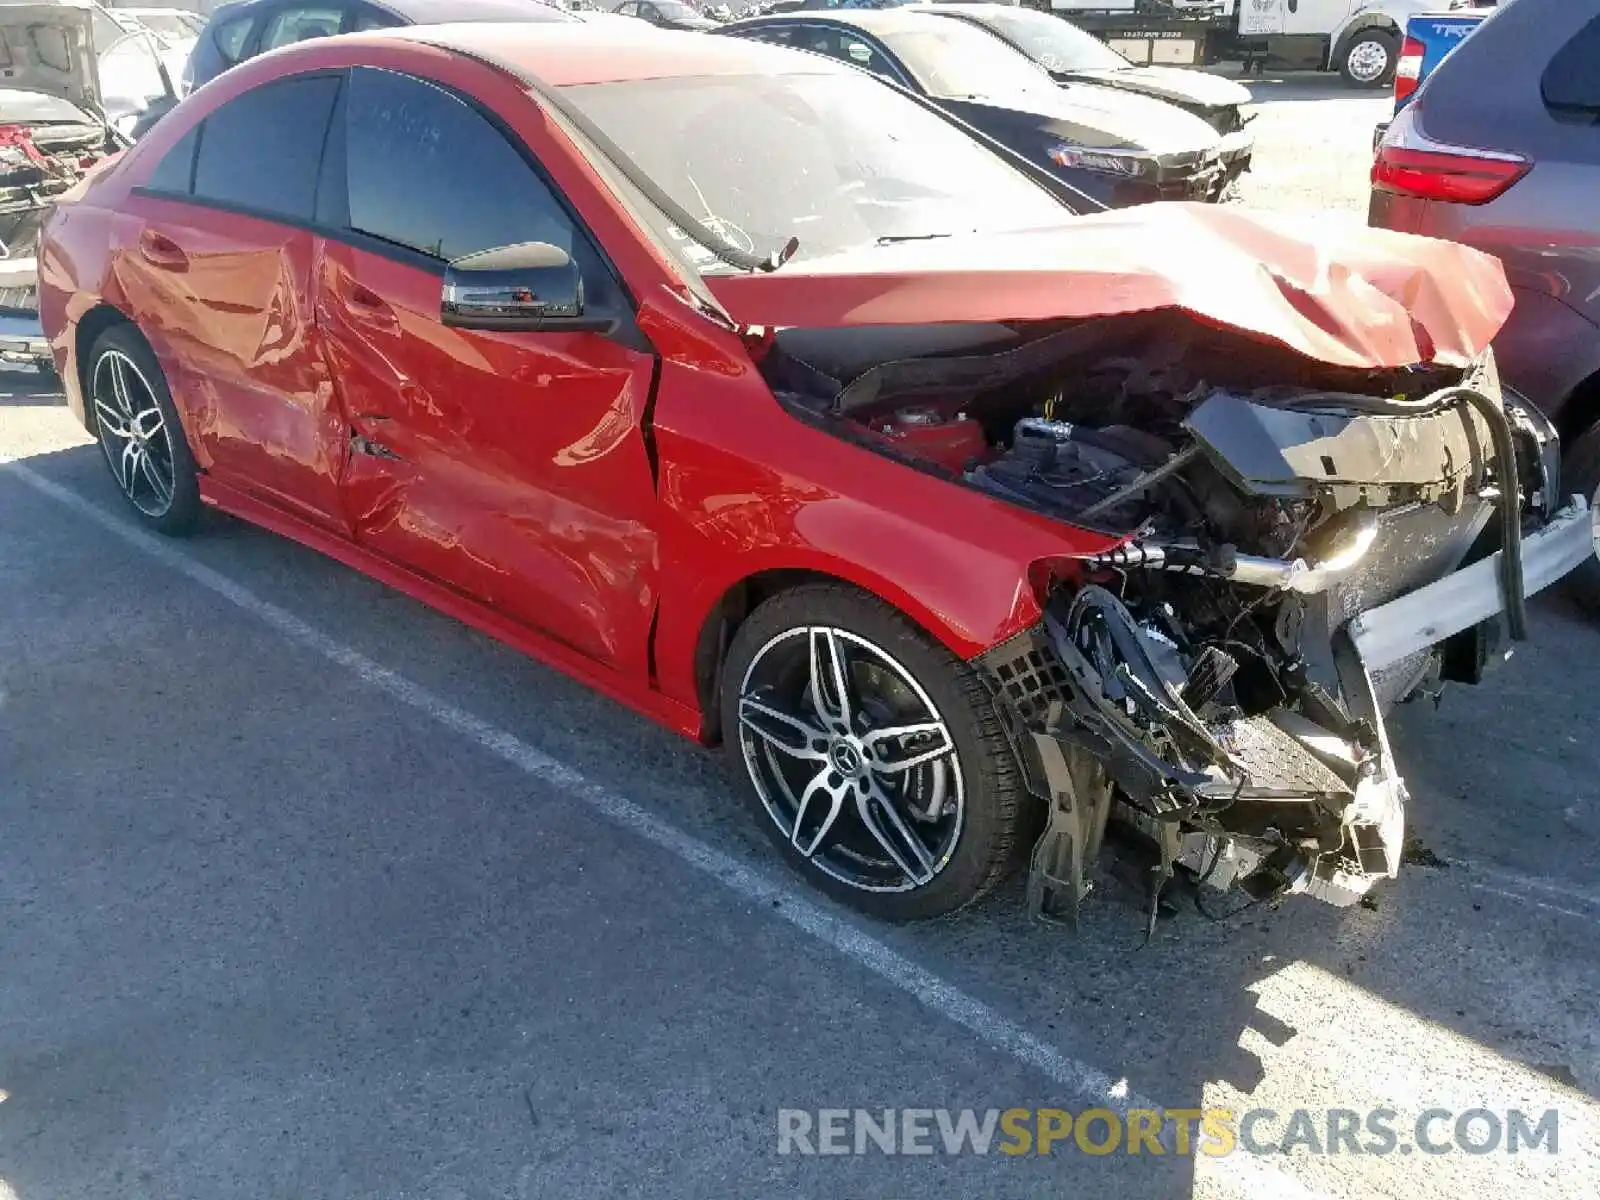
{"x":47,"y":49}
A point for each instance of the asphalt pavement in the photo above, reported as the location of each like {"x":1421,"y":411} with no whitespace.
{"x":308,"y":891}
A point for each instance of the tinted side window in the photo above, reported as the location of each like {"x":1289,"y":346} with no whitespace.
{"x":427,"y":172}
{"x":231,"y":36}
{"x":175,"y":172}
{"x":261,"y":150}
{"x":1571,"y":82}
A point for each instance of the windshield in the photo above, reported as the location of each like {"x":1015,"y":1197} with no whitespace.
{"x":836,"y":160}
{"x":674,"y":9}
{"x":955,"y":61}
{"x":1052,"y":43}
{"x":171,"y":24}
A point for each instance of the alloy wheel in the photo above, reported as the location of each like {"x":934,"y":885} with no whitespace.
{"x":851,"y":759}
{"x":1368,"y":61}
{"x":133,"y":433}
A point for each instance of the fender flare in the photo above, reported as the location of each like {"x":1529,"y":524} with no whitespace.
{"x":1358,"y":23}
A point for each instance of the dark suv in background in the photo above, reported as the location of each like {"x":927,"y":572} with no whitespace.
{"x":243,"y":30}
{"x":1500,"y":149}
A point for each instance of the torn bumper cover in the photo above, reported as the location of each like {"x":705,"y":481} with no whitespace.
{"x":1282,"y":802}
{"x":22,"y":339}
{"x":1394,"y":631}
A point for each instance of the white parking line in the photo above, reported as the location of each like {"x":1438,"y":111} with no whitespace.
{"x":1568,"y":899}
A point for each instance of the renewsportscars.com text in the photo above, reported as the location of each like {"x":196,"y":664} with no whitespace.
{"x":1215,"y":1132}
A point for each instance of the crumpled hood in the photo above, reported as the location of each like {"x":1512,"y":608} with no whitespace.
{"x":1169,"y":83}
{"x":1333,"y":291}
{"x":50,"y":51}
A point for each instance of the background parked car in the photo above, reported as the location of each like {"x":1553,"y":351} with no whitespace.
{"x":1116,"y":147}
{"x":1429,"y":38}
{"x":1500,"y":149}
{"x":1072,"y":56}
{"x":175,"y":24}
{"x":668,"y":14}
{"x":52,"y":111}
{"x":240,"y":31}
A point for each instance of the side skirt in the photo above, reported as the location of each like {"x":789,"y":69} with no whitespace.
{"x":638,"y":696}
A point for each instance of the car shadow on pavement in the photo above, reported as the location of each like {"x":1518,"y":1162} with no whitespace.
{"x":1281,"y":1007}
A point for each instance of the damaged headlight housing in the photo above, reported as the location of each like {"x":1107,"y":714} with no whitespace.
{"x":1123,"y":163}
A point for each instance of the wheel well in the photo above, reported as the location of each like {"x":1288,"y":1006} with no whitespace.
{"x":90,"y":326}
{"x":737,"y":603}
{"x":1357,"y":27}
{"x":1581,"y":410}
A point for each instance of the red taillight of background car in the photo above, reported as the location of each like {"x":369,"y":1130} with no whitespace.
{"x":1410,"y":163}
{"x":1408,"y":71}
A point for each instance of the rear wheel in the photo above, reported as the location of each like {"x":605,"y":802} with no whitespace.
{"x":1580,"y":473}
{"x":1370,"y":58}
{"x":139,"y":433}
{"x":870,"y":753}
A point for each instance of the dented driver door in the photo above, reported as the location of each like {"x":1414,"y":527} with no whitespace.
{"x":510,"y":466}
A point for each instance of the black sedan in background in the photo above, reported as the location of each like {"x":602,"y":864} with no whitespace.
{"x":1073,"y":56}
{"x":1118,"y":148}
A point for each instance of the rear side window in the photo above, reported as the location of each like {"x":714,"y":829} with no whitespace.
{"x":1571,"y":83}
{"x":427,"y":172}
{"x":230,"y":37}
{"x":261,"y":150}
{"x":174,"y":174}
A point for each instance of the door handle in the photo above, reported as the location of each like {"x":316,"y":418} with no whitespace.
{"x":161,"y":251}
{"x":367,"y":307}
{"x":365,"y":298}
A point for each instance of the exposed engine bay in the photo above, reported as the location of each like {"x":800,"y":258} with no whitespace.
{"x":1198,"y":683}
{"x":38,"y":162}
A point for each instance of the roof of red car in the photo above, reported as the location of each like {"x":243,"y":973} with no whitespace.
{"x":563,"y":55}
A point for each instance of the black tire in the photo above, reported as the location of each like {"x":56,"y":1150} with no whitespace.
{"x":992,"y":803}
{"x":117,"y":349}
{"x":1361,"y":49}
{"x":1580,"y":474}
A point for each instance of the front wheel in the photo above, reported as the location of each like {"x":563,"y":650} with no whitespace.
{"x":872,"y":755}
{"x":1370,"y":59}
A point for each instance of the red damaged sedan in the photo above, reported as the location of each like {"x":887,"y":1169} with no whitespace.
{"x":783,"y":409}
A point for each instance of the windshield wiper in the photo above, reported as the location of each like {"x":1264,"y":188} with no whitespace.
{"x":891,"y":239}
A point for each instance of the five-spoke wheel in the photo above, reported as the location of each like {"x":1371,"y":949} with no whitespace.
{"x":139,"y":430}
{"x":873,"y":754}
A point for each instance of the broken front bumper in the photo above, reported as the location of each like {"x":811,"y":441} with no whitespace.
{"x":1073,"y":758}
{"x":1473,"y":595}
{"x":22,"y":340}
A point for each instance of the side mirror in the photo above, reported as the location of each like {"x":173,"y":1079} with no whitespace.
{"x":527,"y":286}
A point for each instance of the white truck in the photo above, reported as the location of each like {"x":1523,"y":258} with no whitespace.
{"x":1360,"y":39}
